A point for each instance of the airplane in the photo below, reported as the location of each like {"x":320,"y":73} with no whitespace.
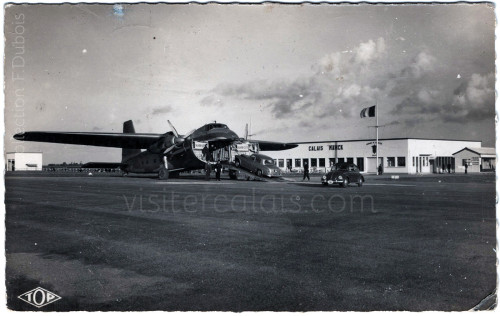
{"x":165,"y":154}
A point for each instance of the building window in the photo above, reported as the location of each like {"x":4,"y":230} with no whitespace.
{"x":391,"y":161}
{"x":314,"y":162}
{"x":350,"y":160}
{"x":332,"y":161}
{"x":305,"y":161}
{"x":321,"y":162}
{"x":360,"y":162}
{"x":341,"y":160}
{"x":401,"y":161}
{"x":297,"y":163}
{"x":289,"y":164}
{"x":413,"y":161}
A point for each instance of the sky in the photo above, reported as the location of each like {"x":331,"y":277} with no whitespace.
{"x":294,"y":72}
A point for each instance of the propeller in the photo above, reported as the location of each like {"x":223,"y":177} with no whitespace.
{"x":247,"y":132}
{"x":173,"y":128}
{"x":178,"y":139}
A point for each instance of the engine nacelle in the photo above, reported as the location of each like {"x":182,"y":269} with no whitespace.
{"x":166,"y":141}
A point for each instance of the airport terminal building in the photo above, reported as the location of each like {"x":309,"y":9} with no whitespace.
{"x":23,"y":161}
{"x":396,"y":155}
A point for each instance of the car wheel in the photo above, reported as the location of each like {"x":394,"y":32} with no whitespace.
{"x":237,"y":163}
{"x":360,"y":182}
{"x":233,"y":175}
{"x":345,"y":183}
{"x":259,"y":173}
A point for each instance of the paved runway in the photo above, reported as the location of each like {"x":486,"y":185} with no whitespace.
{"x":110,"y":243}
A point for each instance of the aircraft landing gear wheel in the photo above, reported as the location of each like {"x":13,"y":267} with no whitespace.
{"x":163,"y":174}
{"x":237,"y":163}
{"x":259,"y":173}
{"x":345,"y":183}
{"x":360,"y":182}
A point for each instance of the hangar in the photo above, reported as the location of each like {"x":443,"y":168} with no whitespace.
{"x":396,"y":155}
{"x":23,"y":161}
{"x":476,"y":159}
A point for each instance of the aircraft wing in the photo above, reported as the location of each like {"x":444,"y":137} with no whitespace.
{"x":119,"y":140}
{"x":273,"y":146}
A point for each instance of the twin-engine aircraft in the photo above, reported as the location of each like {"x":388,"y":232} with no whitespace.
{"x":165,"y":154}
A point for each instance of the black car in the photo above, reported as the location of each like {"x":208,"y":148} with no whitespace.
{"x":343,"y":173}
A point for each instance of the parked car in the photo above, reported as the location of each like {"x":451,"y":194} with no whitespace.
{"x":259,"y":164}
{"x":343,"y":173}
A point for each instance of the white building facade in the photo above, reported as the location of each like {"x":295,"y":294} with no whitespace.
{"x":24,"y":161}
{"x":396,"y":155}
{"x":475,"y":159}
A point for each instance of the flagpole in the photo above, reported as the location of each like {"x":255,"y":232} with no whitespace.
{"x":376,"y":141}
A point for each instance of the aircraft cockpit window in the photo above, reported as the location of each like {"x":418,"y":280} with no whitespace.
{"x":214,"y":125}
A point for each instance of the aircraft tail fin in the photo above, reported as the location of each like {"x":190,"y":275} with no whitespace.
{"x":128,"y":128}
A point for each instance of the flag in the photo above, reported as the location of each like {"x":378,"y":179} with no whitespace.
{"x":368,"y":112}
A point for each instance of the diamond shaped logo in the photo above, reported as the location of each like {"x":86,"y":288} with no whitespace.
{"x":39,"y":297}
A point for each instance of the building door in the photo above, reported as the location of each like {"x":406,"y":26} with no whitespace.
{"x":371,"y":164}
{"x":360,"y":162}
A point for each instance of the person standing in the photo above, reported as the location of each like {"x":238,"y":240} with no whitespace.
{"x":380,"y":170}
{"x":466,"y":166}
{"x":306,"y":172}
{"x":208,"y":170}
{"x":218,"y":169}
{"x":206,"y":153}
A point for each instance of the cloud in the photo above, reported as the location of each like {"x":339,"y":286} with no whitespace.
{"x":161,"y":110}
{"x":417,"y":87}
{"x":370,"y":51}
{"x":469,"y":101}
{"x":418,"y":72}
{"x":211,"y":100}
{"x":421,"y":65}
{"x":341,"y":82}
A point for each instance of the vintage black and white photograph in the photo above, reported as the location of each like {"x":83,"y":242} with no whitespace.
{"x":250,"y":157}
